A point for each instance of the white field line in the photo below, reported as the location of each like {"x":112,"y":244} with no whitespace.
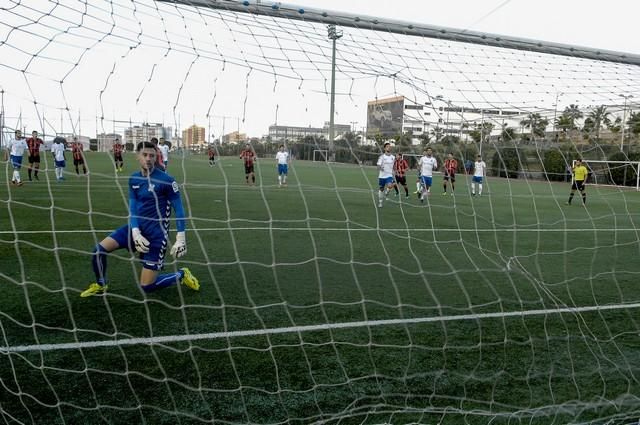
{"x":309,"y":328}
{"x":342,"y":229}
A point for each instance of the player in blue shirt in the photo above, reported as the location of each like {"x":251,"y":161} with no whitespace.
{"x":152,"y":195}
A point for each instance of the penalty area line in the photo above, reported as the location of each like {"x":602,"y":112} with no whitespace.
{"x":308,"y":328}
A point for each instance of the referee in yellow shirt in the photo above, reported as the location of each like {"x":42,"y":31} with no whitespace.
{"x":580,"y":174}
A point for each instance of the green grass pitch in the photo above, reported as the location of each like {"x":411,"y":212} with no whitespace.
{"x":455,"y":273}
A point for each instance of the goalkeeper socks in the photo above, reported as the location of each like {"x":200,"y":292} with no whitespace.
{"x":584,"y":198}
{"x":99,"y":264}
{"x":570,"y":198}
{"x":163,"y":281}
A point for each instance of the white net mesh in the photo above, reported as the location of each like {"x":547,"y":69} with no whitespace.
{"x":316,"y":306}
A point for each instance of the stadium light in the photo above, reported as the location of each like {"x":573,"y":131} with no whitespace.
{"x":333,"y":33}
{"x":624,"y":118}
{"x":555,"y":114}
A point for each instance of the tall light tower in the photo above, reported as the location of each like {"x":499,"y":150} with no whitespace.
{"x":333,"y":35}
{"x":624,"y":119}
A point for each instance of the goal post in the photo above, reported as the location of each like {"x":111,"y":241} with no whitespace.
{"x":320,"y":155}
{"x":621,"y":174}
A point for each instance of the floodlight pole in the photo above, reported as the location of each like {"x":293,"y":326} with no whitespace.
{"x":1,"y":118}
{"x":333,"y":35}
{"x":624,"y":119}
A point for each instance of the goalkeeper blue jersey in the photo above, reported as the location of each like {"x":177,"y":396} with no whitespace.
{"x":150,"y":199}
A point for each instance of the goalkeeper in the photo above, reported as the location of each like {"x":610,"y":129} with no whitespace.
{"x":152,"y":195}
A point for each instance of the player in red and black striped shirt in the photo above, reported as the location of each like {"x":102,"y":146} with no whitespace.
{"x":249,"y":156}
{"x":212,"y":156}
{"x":77,"y":150}
{"x":34,"y":143}
{"x":450,"y":168}
{"x":400,"y":168}
{"x":117,"y":154}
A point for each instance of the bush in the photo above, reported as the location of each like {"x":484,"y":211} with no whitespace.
{"x":555,"y":165}
{"x":621,"y":174}
{"x":506,"y":163}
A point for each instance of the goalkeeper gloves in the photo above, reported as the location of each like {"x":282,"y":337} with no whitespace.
{"x":180,"y":247}
{"x":141,"y":243}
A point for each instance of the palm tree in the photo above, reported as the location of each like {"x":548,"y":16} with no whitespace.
{"x":508,"y":134}
{"x":564,"y":123}
{"x":536,"y":123}
{"x":615,"y":126}
{"x":599,"y":116}
{"x":573,"y":113}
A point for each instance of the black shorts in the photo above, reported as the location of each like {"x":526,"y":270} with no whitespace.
{"x":34,"y":158}
{"x":248,"y":169}
{"x":78,"y":161}
{"x":402,"y":180}
{"x":118,"y":158}
{"x":578,"y":185}
{"x":450,"y":176}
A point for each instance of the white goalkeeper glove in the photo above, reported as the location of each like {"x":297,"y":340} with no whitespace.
{"x":141,"y":243}
{"x":180,"y":247}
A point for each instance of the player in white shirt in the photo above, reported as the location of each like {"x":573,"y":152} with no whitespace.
{"x":57,"y":149}
{"x":164,"y":150}
{"x":282,"y":157}
{"x":16,"y":149}
{"x":479,"y":171}
{"x":385,"y":172}
{"x":426,"y":165}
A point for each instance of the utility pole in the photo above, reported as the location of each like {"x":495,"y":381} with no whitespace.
{"x":333,"y":35}
{"x":624,"y":119}
{"x":1,"y":118}
{"x":555,"y":114}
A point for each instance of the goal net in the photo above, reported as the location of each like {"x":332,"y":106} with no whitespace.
{"x":613,"y":173}
{"x":320,"y":155}
{"x":315,"y":304}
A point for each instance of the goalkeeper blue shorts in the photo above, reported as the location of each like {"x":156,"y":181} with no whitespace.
{"x":152,"y":260}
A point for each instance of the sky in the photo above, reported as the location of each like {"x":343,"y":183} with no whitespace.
{"x":117,"y":62}
{"x":607,"y":25}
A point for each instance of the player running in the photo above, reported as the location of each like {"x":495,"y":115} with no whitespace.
{"x":426,"y":165}
{"x":34,"y":143}
{"x":479,"y":173}
{"x":212,"y":156}
{"x":400,"y":167}
{"x":282,"y":157}
{"x":249,"y":157}
{"x":77,"y":150}
{"x":117,"y":155}
{"x":57,"y":149}
{"x":578,"y":181}
{"x":152,"y":195}
{"x":450,"y":168}
{"x":385,"y":172}
{"x":164,"y":150}
{"x":15,"y":152}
